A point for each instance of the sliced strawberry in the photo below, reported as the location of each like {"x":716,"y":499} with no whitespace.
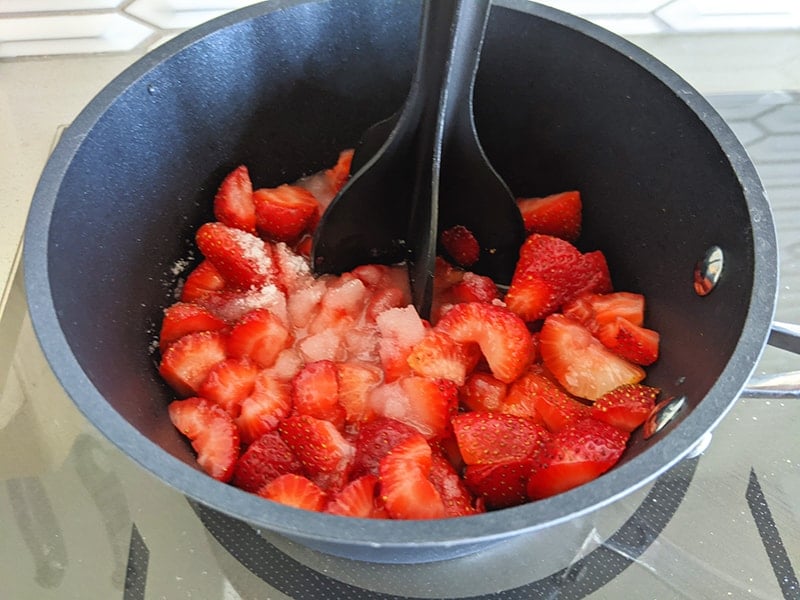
{"x":186,"y":363}
{"x":233,"y":203}
{"x":486,"y":437}
{"x":356,"y":381}
{"x":473,"y":288}
{"x":293,"y":271}
{"x":595,"y":310}
{"x":212,"y":432}
{"x":558,"y":215}
{"x":264,"y":460}
{"x":182,"y":318}
{"x":285,"y":213}
{"x":503,"y":337}
{"x":384,"y":299}
{"x":425,"y":404}
{"x":339,"y":173}
{"x":229,"y":382}
{"x":582,"y":364}
{"x":637,"y":344}
{"x":482,"y":391}
{"x":241,"y":258}
{"x":500,"y":484}
{"x":295,"y":490}
{"x":405,"y":488}
{"x":375,"y":439}
{"x":626,"y":407}
{"x":264,"y":409}
{"x":438,"y":355}
{"x":460,"y":243}
{"x":576,"y":455}
{"x":400,"y":330}
{"x":259,"y":336}
{"x":457,"y":499}
{"x":342,"y":304}
{"x":538,"y":396}
{"x":204,"y":279}
{"x":357,"y":499}
{"x":325,"y":454}
{"x":315,"y":392}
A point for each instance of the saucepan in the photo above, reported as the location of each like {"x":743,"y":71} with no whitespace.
{"x":670,"y":197}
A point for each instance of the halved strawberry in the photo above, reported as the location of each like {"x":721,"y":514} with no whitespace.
{"x":212,"y":432}
{"x":295,"y":490}
{"x":637,"y":344}
{"x":375,"y":439}
{"x":482,"y":391}
{"x":500,"y":484}
{"x":626,"y":407}
{"x":264,"y":460}
{"x":579,"y":361}
{"x":400,"y":330}
{"x":233,"y":203}
{"x":229,"y":382}
{"x":357,"y":499}
{"x":503,"y":337}
{"x":461,"y":245}
{"x":356,"y":381}
{"x":315,"y":392}
{"x":241,"y":258}
{"x":285,"y":213}
{"x":325,"y":454}
{"x":487,"y":437}
{"x":405,"y":488}
{"x":457,"y":499}
{"x":186,"y":363}
{"x":264,"y":409}
{"x":595,"y":310}
{"x":259,"y":336}
{"x":538,"y":396}
{"x":558,"y":215}
{"x":182,"y":318}
{"x":438,"y":355}
{"x":204,"y":279}
{"x":339,"y":173}
{"x":425,"y":404}
{"x":576,"y":455}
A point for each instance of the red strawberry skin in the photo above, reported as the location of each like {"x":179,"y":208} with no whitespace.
{"x":182,"y":318}
{"x":296,"y":491}
{"x":558,"y":215}
{"x":461,"y":245}
{"x":315,"y":392}
{"x":405,"y":488}
{"x":233,"y":203}
{"x":358,"y":499}
{"x":259,"y":336}
{"x":500,"y":484}
{"x":204,"y":280}
{"x":285,"y":213}
{"x":339,"y":173}
{"x":229,"y":382}
{"x":186,"y":363}
{"x":374,"y":441}
{"x":324,"y":453}
{"x":486,"y":437}
{"x":626,"y":407}
{"x":240,"y":257}
{"x":637,"y":344}
{"x":264,"y":460}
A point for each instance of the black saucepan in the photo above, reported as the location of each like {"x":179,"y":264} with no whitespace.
{"x":282,"y":87}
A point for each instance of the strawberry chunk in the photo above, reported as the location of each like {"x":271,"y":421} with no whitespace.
{"x":285,"y":213}
{"x":355,"y":382}
{"x":473,"y":288}
{"x":596,"y":310}
{"x":502,"y":336}
{"x":186,"y":363}
{"x":486,"y":437}
{"x":425,"y":404}
{"x":582,"y":364}
{"x":264,"y":460}
{"x":400,"y":329}
{"x":558,"y":215}
{"x":204,"y":280}
{"x":374,"y":441}
{"x":358,"y":499}
{"x":212,"y":432}
{"x":461,"y":245}
{"x":437,"y":355}
{"x":182,"y":318}
{"x":264,"y":409}
{"x":339,"y":173}
{"x":405,"y":488}
{"x":259,"y":336}
{"x":626,"y":407}
{"x":315,"y":392}
{"x":637,"y":344}
{"x":538,"y":396}
{"x":500,"y":484}
{"x":241,"y":258}
{"x":229,"y":382}
{"x":457,"y":499}
{"x":295,"y":490}
{"x":483,"y":391}
{"x":324,"y":453}
{"x":576,"y":455}
{"x":233,"y":203}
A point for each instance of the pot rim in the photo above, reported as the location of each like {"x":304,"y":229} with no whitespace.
{"x":619,"y":482}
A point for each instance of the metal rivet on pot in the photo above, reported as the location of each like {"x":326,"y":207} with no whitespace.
{"x":662,"y":414}
{"x":708,"y":271}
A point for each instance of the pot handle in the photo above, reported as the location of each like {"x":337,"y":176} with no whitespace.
{"x":785,"y":336}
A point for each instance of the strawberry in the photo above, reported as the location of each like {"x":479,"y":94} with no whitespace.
{"x":233,"y":203}
{"x":315,"y":392}
{"x":552,"y":272}
{"x":558,"y":215}
{"x":204,"y":279}
{"x":285,"y":213}
{"x":595,"y":310}
{"x":457,"y":499}
{"x":182,"y":318}
{"x":341,"y":305}
{"x":259,"y":336}
{"x":400,"y":329}
{"x":324,"y":453}
{"x":625,"y":407}
{"x":241,"y":258}
{"x":503,"y":337}
{"x":460,"y":243}
{"x":500,"y":484}
{"x":486,"y":437}
{"x":292,"y":271}
{"x":437,"y":355}
{"x":473,"y":288}
{"x":425,"y":404}
{"x":582,"y":364}
{"x":482,"y":391}
{"x":212,"y":433}
{"x":304,"y":246}
{"x":536,"y":395}
{"x":357,"y":499}
{"x":339,"y":173}
{"x":295,"y":490}
{"x":264,"y":460}
{"x":576,"y":455}
{"x":405,"y":489}
{"x":266,"y":406}
{"x":355,"y":382}
{"x":637,"y":344}
{"x":384,"y":299}
{"x":229,"y":382}
{"x":186,"y":363}
{"x":375,"y":439}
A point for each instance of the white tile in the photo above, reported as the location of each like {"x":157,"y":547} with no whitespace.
{"x":181,"y":14}
{"x":11,"y":6}
{"x":731,"y":15}
{"x":630,"y":24}
{"x":605,"y":7}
